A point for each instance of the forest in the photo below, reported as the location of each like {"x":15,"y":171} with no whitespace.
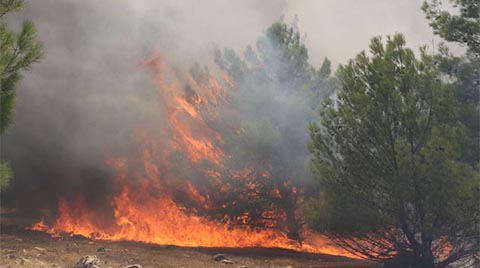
{"x":375,"y":158}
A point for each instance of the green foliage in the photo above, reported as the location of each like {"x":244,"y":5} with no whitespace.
{"x":5,"y":174}
{"x":463,"y":27}
{"x":18,"y":51}
{"x":463,"y":76}
{"x":387,"y":154}
{"x":284,"y":54}
{"x":276,"y":94}
{"x":281,"y":58}
{"x":7,"y":6}
{"x":463,"y":72}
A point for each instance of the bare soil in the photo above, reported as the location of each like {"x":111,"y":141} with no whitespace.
{"x":23,"y":248}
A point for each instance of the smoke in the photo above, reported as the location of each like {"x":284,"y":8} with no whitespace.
{"x":81,"y":102}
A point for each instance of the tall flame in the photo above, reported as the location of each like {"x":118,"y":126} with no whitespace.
{"x":144,"y":204}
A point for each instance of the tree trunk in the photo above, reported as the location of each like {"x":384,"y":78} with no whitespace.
{"x":289,"y":204}
{"x":425,"y":260}
{"x":292,"y":224}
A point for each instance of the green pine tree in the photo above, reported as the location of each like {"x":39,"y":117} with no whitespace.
{"x":463,"y":72}
{"x":277,"y":93}
{"x":387,"y":155}
{"x":18,"y":52}
{"x":462,"y":27}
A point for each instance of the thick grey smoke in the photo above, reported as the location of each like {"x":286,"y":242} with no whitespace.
{"x":83,"y":99}
{"x":88,"y":93}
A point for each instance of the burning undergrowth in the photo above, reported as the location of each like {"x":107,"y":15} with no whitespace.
{"x":179,"y":186}
{"x":151,"y":152}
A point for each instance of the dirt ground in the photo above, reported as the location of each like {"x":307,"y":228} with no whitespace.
{"x":23,"y":248}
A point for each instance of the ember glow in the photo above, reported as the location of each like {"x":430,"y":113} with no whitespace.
{"x":149,"y":184}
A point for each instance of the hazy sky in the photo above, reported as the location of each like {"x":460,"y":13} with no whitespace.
{"x":335,"y":28}
{"x":341,"y":28}
{"x":338,"y":29}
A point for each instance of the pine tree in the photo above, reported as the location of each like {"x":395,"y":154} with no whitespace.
{"x":18,"y":52}
{"x":387,"y":155}
{"x":463,"y":72}
{"x":276,"y":95}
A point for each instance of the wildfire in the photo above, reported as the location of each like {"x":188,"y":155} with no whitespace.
{"x":162,"y":221}
{"x":144,"y":205}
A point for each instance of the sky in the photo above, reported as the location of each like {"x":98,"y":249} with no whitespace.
{"x":339,"y":29}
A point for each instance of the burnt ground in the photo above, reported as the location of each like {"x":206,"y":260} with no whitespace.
{"x":23,"y":248}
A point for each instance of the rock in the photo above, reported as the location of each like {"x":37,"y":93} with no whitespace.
{"x":227,"y":261}
{"x":8,"y":251}
{"x":241,"y":266}
{"x":219,"y":257}
{"x":133,"y":266}
{"x":41,"y":250}
{"x":222,"y":258}
{"x":88,"y":261}
{"x":101,"y":250}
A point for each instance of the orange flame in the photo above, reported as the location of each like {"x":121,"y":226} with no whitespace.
{"x":144,"y":207}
